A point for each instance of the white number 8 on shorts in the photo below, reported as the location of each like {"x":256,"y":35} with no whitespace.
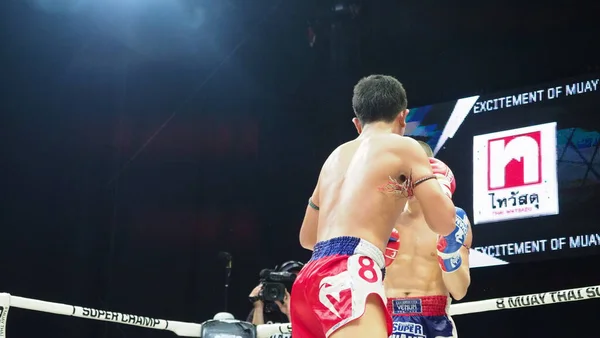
{"x":365,"y":278}
{"x":364,"y":271}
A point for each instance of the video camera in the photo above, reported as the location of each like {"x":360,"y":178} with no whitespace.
{"x":274,"y":284}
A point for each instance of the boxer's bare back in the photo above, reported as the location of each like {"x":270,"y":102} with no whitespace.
{"x":363,"y":188}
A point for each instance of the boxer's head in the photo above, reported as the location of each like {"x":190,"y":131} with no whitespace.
{"x":426,"y":147}
{"x":380,"y":99}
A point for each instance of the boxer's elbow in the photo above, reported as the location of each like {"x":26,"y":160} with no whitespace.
{"x":449,"y":216}
{"x":306,"y":240}
{"x":443,"y":217}
{"x":458,"y":295}
{"x":308,"y":245}
{"x":308,"y":230}
{"x":438,"y":209}
{"x":460,"y":291}
{"x":459,"y":286}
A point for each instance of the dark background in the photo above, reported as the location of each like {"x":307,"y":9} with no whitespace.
{"x":138,"y":141}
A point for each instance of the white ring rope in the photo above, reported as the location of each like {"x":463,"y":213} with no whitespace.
{"x":185,"y":329}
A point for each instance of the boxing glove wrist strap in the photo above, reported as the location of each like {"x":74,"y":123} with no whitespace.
{"x":449,"y":262}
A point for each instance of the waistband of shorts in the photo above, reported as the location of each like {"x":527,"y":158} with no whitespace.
{"x":426,"y":306}
{"x":348,"y":246}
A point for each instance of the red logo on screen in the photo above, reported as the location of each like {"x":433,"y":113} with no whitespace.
{"x":515,"y":161}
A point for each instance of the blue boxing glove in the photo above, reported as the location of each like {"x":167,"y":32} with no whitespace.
{"x":448,"y":247}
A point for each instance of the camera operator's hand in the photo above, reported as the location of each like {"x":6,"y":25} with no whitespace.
{"x":254,"y":294}
{"x":284,"y":306}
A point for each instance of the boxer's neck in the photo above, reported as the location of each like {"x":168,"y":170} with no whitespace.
{"x":375,"y":128}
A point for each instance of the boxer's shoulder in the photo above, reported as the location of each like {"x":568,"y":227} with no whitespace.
{"x":401,"y":153}
{"x":400,"y":146}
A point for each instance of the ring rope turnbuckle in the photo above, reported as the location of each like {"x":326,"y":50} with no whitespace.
{"x":185,"y":329}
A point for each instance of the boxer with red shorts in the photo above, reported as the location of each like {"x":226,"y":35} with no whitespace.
{"x":334,"y":286}
{"x":362,"y":189}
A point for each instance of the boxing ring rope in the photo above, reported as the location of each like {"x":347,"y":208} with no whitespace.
{"x":185,"y":329}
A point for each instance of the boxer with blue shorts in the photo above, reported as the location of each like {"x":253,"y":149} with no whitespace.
{"x":421,"y":317}
{"x":429,"y":269}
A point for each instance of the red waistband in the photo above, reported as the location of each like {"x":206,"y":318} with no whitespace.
{"x":418,"y":306}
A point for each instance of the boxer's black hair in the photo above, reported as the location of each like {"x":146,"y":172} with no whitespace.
{"x":378,"y":98}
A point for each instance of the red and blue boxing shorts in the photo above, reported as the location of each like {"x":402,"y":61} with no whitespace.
{"x":332,"y":288}
{"x":421,"y":317}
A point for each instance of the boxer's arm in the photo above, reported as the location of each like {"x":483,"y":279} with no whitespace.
{"x":458,"y":281}
{"x":438,"y":209}
{"x":308,"y":231}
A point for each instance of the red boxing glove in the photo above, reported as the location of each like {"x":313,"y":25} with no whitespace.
{"x":391,"y":250}
{"x":444,"y":176}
